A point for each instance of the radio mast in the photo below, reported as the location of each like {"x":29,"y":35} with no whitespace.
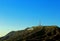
{"x":40,"y":24}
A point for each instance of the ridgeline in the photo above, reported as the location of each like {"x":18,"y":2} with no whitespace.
{"x":35,"y":33}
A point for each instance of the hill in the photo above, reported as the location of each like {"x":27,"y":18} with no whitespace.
{"x":35,"y":33}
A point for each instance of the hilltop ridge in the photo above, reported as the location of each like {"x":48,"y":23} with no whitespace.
{"x":35,"y":33}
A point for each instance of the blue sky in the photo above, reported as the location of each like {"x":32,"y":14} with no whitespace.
{"x":19,"y":14}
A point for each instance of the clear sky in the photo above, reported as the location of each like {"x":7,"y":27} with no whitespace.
{"x":19,"y":14}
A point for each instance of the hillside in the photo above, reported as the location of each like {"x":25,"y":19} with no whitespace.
{"x":35,"y":33}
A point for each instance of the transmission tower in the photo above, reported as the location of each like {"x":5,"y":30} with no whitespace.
{"x":40,"y":24}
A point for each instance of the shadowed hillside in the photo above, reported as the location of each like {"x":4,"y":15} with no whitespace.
{"x":35,"y":33}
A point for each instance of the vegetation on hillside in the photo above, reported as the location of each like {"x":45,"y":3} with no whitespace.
{"x":35,"y":33}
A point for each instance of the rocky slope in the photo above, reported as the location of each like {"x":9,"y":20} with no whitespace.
{"x":36,"y":33}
